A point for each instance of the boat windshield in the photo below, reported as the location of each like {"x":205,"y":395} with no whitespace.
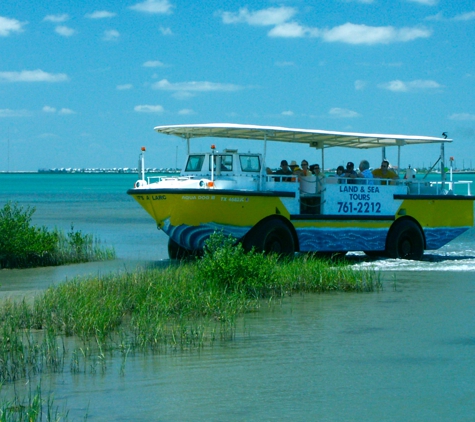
{"x":250,"y":163}
{"x":195,"y":162}
{"x":224,"y":162}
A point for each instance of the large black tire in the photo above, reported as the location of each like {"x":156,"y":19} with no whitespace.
{"x":271,"y":236}
{"x":175,"y":251}
{"x":405,"y":240}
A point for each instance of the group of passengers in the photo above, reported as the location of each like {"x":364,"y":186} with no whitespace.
{"x":294,"y":169}
{"x":349,"y":174}
{"x":384,"y":172}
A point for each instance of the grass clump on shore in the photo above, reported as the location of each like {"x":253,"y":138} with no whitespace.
{"x":182,"y":306}
{"x":23,"y":245}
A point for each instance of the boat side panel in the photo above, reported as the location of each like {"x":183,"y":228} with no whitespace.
{"x":441,"y":219}
{"x":189,"y":218}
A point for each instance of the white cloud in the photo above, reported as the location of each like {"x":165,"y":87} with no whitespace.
{"x":362,"y":34}
{"x":343,"y":113}
{"x":284,"y":64}
{"x":65,"y":31}
{"x":400,"y":86}
{"x":283,"y":27}
{"x":149,"y":109}
{"x":293,"y":30}
{"x":32,"y":76}
{"x":360,"y":85}
{"x":56,"y":18}
{"x":465,"y":16}
{"x":153,"y":6}
{"x":203,"y":86}
{"x":165,"y":31}
{"x":48,"y":109}
{"x":186,"y":112}
{"x":111,"y":35}
{"x":6,"y":112}
{"x":8,"y":26}
{"x":66,"y":111}
{"x":462,"y":116}
{"x":153,"y":63}
{"x":288,"y":113}
{"x":425,"y":2}
{"x":265,"y":17}
{"x":101,"y":14}
{"x":124,"y":87}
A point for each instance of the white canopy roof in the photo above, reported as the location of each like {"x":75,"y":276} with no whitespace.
{"x":315,"y":138}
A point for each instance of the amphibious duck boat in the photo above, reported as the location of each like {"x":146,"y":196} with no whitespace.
{"x":229,"y":191}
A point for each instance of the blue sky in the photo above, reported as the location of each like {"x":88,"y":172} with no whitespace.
{"x":82,"y":84}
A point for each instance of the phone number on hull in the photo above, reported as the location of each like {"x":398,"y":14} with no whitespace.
{"x":359,"y":207}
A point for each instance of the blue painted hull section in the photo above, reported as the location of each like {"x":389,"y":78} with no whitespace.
{"x":312,"y":239}
{"x":436,"y":238}
{"x":341,"y":239}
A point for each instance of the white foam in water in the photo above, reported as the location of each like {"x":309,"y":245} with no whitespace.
{"x":460,"y":260}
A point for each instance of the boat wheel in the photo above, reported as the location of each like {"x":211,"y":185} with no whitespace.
{"x":271,"y":236}
{"x":175,"y":251}
{"x":405,"y":241}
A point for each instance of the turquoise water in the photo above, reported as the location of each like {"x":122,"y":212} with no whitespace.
{"x":403,"y":354}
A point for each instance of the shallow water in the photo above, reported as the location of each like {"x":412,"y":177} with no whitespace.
{"x":402,"y":354}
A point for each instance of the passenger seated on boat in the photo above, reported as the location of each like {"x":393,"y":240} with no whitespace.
{"x":350,"y":173}
{"x":340,"y":174}
{"x":385,"y":172}
{"x":304,"y":171}
{"x":320,"y":177}
{"x":294,"y":166}
{"x":365,"y":172}
{"x":284,"y":169}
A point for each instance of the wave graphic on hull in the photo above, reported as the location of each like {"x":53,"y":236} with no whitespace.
{"x":436,"y":238}
{"x":194,"y":237}
{"x":341,"y":239}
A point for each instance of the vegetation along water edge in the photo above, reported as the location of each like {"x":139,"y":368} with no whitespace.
{"x":23,"y":245}
{"x":185,"y":306}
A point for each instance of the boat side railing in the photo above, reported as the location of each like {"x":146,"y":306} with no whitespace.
{"x":156,"y":179}
{"x":451,"y":187}
{"x":311,"y":185}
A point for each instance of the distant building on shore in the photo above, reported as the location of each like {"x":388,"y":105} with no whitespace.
{"x":107,"y":170}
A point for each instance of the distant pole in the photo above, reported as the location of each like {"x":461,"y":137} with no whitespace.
{"x":176,"y":158}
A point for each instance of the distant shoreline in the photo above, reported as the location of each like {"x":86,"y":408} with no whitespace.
{"x":91,"y":171}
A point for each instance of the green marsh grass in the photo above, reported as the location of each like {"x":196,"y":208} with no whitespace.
{"x":32,"y":407}
{"x":23,"y":245}
{"x":181,"y":307}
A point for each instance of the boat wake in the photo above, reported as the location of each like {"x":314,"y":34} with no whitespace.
{"x":433,"y":261}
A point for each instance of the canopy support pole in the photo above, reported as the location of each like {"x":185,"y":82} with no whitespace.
{"x":398,"y":160}
{"x":442,"y":164}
